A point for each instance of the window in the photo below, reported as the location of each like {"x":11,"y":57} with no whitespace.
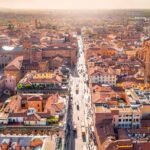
{"x":119,"y":126}
{"x":119,"y":120}
{"x":23,"y":105}
{"x":126,"y":119}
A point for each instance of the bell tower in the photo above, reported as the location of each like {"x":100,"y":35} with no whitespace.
{"x":147,"y":62}
{"x":27,"y":47}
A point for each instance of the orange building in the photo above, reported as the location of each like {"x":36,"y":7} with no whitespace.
{"x":95,"y":51}
{"x":35,"y":102}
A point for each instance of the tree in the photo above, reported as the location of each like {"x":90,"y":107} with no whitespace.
{"x":20,"y":86}
{"x":10,"y":26}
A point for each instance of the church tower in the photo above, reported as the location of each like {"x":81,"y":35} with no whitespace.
{"x":36,"y":23}
{"x":27,"y":47}
{"x":147,"y":62}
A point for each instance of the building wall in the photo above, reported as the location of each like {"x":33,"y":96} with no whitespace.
{"x":37,"y":55}
{"x":127,"y":120}
{"x":145,"y":109}
{"x":43,"y":66}
{"x":10,"y":82}
{"x":147,"y":64}
{"x":2,"y":82}
{"x":35,"y":104}
{"x":6,"y":57}
{"x":104,"y":79}
{"x":13,"y":73}
{"x":3,"y":121}
{"x":42,"y":123}
{"x":16,"y":119}
{"x":4,"y":41}
{"x":30,"y":123}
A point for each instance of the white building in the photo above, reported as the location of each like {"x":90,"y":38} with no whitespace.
{"x":126,"y":117}
{"x":4,"y":40}
{"x":103,"y":78}
{"x":3,"y":118}
{"x":16,"y":117}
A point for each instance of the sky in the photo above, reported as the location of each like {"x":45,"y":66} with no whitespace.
{"x":75,"y":4}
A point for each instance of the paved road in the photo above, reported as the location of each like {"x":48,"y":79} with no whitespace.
{"x":78,"y":81}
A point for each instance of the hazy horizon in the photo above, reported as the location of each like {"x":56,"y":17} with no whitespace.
{"x":75,"y":4}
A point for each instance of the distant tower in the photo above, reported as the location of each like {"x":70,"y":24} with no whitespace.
{"x":147,"y":62}
{"x":27,"y":47}
{"x":36,"y":23}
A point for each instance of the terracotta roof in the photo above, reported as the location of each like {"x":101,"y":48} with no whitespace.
{"x":99,"y":88}
{"x":33,"y":117}
{"x":34,"y":98}
{"x":14,"y":104}
{"x":44,"y":115}
{"x":53,"y":105}
{"x":58,"y":58}
{"x":143,"y":145}
{"x":58,"y":107}
{"x":15,"y":64}
{"x":17,"y":114}
{"x":122,"y":134}
{"x":36,"y":142}
{"x":105,"y":130}
{"x":103,"y":94}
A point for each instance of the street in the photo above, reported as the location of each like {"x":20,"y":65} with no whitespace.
{"x":82,"y":109}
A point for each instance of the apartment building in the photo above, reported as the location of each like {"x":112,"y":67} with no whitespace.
{"x":121,"y":117}
{"x":126,"y":117}
{"x":103,"y":78}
